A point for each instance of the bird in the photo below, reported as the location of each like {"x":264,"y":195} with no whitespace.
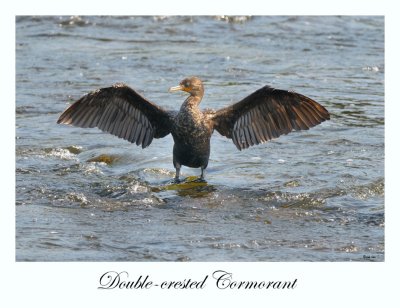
{"x":259,"y":117}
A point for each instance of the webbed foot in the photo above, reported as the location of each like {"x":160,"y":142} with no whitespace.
{"x":198,"y":180}
{"x":176,"y":181}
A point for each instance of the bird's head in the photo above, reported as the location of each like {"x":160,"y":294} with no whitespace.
{"x":191,"y":85}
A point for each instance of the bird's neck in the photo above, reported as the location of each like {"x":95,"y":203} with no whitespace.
{"x":192,"y":102}
{"x":190,"y":116}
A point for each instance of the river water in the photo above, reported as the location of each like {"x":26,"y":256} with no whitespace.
{"x":317,"y":195}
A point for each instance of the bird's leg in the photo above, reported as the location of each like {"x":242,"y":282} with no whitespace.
{"x":203,"y":173}
{"x":178,"y":171}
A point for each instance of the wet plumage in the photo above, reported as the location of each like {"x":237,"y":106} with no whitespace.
{"x":263,"y":115}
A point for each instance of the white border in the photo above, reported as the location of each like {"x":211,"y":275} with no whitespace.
{"x":320,"y":284}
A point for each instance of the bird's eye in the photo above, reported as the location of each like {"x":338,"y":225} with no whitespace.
{"x":187,"y":84}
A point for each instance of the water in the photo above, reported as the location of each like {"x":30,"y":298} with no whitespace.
{"x":308,"y":196}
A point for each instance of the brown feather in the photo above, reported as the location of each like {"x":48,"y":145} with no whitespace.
{"x":266,"y":114}
{"x":118,"y":110}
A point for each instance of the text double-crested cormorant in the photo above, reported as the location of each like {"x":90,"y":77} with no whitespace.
{"x":263,"y":115}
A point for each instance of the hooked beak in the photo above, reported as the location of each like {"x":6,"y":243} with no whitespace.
{"x":175,"y":89}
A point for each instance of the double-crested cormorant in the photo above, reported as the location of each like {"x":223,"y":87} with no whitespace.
{"x":263,"y":115}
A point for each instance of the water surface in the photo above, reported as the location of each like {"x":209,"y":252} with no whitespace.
{"x":315,"y":195}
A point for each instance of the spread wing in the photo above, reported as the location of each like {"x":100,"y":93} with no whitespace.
{"x":267,"y":114}
{"x":120,"y":111}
